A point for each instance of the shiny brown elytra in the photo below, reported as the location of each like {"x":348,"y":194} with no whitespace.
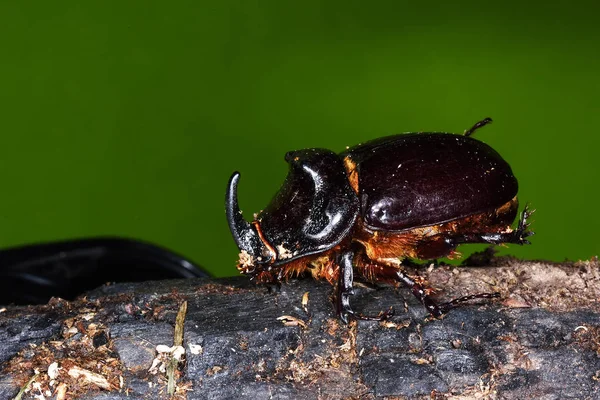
{"x":413,"y":195}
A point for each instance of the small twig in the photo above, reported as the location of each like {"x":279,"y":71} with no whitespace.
{"x":177,"y":341}
{"x":19,"y":395}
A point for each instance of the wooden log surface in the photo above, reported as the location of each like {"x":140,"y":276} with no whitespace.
{"x":241,"y":341}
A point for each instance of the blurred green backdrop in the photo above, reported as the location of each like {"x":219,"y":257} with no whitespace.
{"x":127,"y":118}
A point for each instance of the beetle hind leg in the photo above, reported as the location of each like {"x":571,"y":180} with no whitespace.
{"x":522,"y":231}
{"x":517,"y":236}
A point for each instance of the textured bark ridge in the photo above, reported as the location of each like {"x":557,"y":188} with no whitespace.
{"x":242,"y":341}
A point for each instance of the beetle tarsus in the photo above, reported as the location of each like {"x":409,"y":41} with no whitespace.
{"x":521,"y":233}
{"x":522,"y":230}
{"x":445,"y":307}
{"x":345,"y":311}
{"x":382,"y":316}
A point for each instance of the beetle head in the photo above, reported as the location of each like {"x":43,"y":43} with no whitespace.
{"x":313,"y":211}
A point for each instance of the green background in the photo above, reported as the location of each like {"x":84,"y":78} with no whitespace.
{"x":128,"y":117}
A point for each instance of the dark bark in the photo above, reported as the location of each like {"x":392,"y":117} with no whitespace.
{"x":540,"y":340}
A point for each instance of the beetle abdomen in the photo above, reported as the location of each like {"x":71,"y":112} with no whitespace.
{"x":411,"y":180}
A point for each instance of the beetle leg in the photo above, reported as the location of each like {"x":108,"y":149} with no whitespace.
{"x":344,"y":287}
{"x":437,"y":310}
{"x":393,"y":274}
{"x":517,"y":236}
{"x":445,"y":307}
{"x":344,"y":291}
{"x":420,"y":293}
{"x":379,"y":272}
{"x":522,"y":230}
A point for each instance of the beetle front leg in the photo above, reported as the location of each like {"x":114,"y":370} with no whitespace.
{"x":344,"y":287}
{"x":344,"y":290}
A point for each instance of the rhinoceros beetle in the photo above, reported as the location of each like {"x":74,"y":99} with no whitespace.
{"x":365,"y":210}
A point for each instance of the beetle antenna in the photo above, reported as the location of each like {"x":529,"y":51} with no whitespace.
{"x":478,"y":125}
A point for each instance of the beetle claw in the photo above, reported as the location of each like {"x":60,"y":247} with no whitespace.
{"x":522,"y":230}
{"x":344,"y":317}
{"x":346,"y":312}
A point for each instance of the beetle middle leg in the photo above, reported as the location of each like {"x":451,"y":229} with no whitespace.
{"x":344,"y":290}
{"x":378,"y":272}
{"x":392,"y":274}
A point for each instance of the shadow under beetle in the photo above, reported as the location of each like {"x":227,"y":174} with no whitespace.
{"x":412,"y":195}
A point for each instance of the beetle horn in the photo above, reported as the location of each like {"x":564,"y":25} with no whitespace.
{"x":243,"y":233}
